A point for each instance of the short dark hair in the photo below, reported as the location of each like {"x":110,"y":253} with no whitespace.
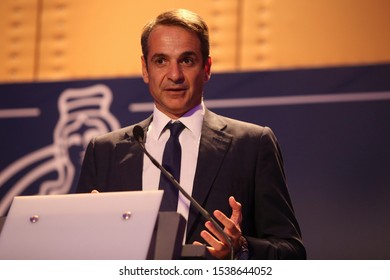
{"x":181,"y":18}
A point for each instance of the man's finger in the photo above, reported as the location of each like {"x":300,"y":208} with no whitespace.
{"x":212,"y":241}
{"x":236,"y":210}
{"x":230,"y":226}
{"x":211,"y":228}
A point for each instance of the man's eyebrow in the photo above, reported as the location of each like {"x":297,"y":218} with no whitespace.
{"x":158,"y":55}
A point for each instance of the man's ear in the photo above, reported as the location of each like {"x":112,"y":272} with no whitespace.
{"x":207,"y":68}
{"x":145,"y":74}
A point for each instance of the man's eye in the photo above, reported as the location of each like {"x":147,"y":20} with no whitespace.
{"x":159,"y":61}
{"x":188,"y":61}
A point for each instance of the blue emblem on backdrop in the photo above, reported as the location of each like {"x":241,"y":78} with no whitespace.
{"x":49,"y":126}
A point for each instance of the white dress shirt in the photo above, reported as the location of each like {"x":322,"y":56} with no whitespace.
{"x":189,"y":139}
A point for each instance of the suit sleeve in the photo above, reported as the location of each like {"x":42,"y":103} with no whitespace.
{"x":277,"y":229}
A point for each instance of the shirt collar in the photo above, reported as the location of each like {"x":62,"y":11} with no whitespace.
{"x":193,"y":121}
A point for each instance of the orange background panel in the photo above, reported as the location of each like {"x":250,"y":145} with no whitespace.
{"x":45,"y":40}
{"x":18,"y":21}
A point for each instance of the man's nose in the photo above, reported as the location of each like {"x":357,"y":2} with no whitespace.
{"x":175,"y":73}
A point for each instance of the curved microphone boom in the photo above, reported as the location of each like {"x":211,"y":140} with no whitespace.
{"x":139,"y":135}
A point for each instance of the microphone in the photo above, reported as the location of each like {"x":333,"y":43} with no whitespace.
{"x":139,"y":135}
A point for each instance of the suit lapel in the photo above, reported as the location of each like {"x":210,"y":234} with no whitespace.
{"x":213,"y":146}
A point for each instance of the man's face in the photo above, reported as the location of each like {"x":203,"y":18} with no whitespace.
{"x":175,"y":71}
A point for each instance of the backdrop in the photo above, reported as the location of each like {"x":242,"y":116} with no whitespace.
{"x":332,"y":124}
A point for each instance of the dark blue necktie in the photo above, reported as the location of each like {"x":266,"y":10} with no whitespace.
{"x":171,"y":162}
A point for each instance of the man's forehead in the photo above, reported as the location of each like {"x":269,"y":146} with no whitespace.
{"x":169,"y":39}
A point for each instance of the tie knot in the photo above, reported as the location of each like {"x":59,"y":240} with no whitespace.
{"x":176,"y":128}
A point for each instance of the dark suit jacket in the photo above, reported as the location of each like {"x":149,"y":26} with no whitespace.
{"x":235,"y":158}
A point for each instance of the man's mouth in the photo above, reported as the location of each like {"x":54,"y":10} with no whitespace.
{"x":176,"y":90}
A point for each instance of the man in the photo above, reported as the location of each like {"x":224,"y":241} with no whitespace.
{"x":233,"y":169}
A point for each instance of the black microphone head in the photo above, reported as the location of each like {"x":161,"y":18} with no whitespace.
{"x":138,"y":133}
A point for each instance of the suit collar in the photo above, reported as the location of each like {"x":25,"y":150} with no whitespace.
{"x":129,"y":136}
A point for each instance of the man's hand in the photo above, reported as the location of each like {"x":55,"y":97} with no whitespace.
{"x":219,"y":247}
